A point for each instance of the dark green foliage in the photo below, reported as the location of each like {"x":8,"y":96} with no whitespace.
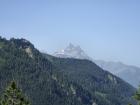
{"x":53,"y":81}
{"x":35,"y":75}
{"x":13,"y":96}
{"x":104,"y":88}
{"x":137,"y":96}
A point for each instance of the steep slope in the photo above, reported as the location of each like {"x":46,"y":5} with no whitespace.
{"x":122,"y":70}
{"x":40,"y":81}
{"x":104,"y":87}
{"x":119,"y":69}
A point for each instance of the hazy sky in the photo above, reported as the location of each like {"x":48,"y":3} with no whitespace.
{"x":105,"y":29}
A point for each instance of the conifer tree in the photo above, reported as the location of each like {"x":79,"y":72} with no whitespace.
{"x":137,"y":96}
{"x":13,"y":96}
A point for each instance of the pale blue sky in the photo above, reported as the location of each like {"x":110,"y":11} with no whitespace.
{"x":105,"y":29}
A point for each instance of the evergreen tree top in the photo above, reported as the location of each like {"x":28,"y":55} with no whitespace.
{"x":13,"y":96}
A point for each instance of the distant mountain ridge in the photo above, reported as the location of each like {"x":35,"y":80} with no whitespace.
{"x":126,"y":72}
{"x":122,"y":70}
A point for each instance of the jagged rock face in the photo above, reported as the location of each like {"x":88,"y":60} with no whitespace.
{"x":29,"y":52}
{"x":72,"y":51}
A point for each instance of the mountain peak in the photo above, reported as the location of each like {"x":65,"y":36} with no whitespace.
{"x":72,"y":51}
{"x":70,"y":45}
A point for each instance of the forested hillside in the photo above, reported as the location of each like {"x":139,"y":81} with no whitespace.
{"x":47,"y":80}
{"x":20,"y":61}
{"x":102,"y":85}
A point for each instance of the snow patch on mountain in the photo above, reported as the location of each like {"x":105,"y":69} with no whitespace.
{"x":72,"y":52}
